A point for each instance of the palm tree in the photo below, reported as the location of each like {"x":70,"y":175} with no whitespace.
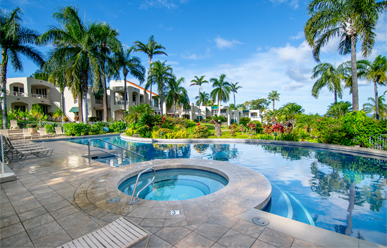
{"x":290,"y":111}
{"x":151,"y":48}
{"x":376,"y":72}
{"x":160,"y":74}
{"x":350,"y":20}
{"x":202,"y":98}
{"x":14,"y":41}
{"x":135,"y":112}
{"x":75,"y":43}
{"x":234,"y":89}
{"x":107,"y":42}
{"x":328,"y":76}
{"x":123,"y":60}
{"x":339,"y":109}
{"x":221,"y":91}
{"x":199,"y":81}
{"x":177,"y":95}
{"x":271,"y":115}
{"x":273,"y":96}
{"x":370,"y":107}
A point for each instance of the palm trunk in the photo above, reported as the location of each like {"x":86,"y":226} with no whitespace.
{"x":218,"y":107}
{"x":355,"y":96}
{"x":125,"y":94}
{"x":150,"y":69}
{"x":84,"y":94}
{"x":234,"y":101}
{"x":3,"y":87}
{"x":376,"y":101}
{"x":273,"y":105}
{"x":104,"y":98}
{"x":80,"y":108}
{"x":62,"y":105}
{"x":352,"y":196}
{"x":335,"y":95}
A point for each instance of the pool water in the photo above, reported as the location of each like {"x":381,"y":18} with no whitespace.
{"x":175,"y":184}
{"x":335,"y":191}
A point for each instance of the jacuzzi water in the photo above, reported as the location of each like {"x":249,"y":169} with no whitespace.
{"x":335,"y":191}
{"x":175,"y":184}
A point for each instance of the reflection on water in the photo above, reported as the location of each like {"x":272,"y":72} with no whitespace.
{"x":338,"y":192}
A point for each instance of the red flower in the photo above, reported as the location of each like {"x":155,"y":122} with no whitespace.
{"x":198,"y":124}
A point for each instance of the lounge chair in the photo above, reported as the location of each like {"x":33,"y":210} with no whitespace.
{"x":24,"y":152}
{"x":58,"y":131}
{"x":120,"y":233}
{"x":14,"y":124}
{"x":26,"y":133}
{"x":43,"y":132}
{"x":4,"y":132}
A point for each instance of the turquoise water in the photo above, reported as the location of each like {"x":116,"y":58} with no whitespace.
{"x":175,"y":184}
{"x":338,"y":192}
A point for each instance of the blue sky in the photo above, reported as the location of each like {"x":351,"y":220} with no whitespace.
{"x":259,"y":44}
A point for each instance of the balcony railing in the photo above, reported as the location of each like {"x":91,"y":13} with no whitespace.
{"x":15,"y":93}
{"x":98,"y":101}
{"x":40,"y":96}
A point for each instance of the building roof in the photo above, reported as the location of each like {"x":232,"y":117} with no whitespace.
{"x":137,"y":86}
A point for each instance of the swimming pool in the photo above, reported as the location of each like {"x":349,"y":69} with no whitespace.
{"x":175,"y":184}
{"x":338,"y":192}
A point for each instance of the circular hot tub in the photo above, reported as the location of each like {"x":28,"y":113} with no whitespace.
{"x":175,"y":184}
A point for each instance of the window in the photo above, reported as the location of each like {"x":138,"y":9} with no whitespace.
{"x":98,"y":113}
{"x":134,"y":98}
{"x":21,"y":108}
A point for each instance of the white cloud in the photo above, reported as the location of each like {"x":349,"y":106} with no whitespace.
{"x":195,"y":56}
{"x":300,"y":35}
{"x":169,"y":4}
{"x":381,"y":28}
{"x":223,"y":43}
{"x":292,"y":86}
{"x":292,"y":3}
{"x":300,"y":54}
{"x":166,"y":28}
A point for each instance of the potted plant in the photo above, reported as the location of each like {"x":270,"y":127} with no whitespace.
{"x":32,"y":128}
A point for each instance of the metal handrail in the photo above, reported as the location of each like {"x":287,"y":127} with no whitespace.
{"x":135,"y":186}
{"x":99,"y":149}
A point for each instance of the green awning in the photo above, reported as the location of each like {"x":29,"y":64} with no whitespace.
{"x":245,"y":111}
{"x":74,"y":109}
{"x":214,"y":107}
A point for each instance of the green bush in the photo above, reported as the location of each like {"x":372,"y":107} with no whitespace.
{"x":144,"y":131}
{"x":130,"y":132}
{"x":118,"y":126}
{"x":93,"y":119}
{"x":76,"y":129}
{"x":149,"y":120}
{"x":220,"y":118}
{"x":200,"y":131}
{"x":258,"y":127}
{"x":330,"y":130}
{"x":244,"y":120}
{"x":159,"y":133}
{"x":50,"y":128}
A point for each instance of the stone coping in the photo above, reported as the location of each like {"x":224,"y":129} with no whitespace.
{"x":246,"y":189}
{"x":65,"y":138}
{"x":359,"y":151}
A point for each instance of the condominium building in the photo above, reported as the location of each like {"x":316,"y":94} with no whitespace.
{"x":24,"y":92}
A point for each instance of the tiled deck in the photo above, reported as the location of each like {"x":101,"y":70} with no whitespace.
{"x":39,"y":210}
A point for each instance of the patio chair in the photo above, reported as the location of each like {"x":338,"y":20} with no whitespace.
{"x":120,"y":233}
{"x":43,"y":132}
{"x":58,"y":131}
{"x":4,"y":132}
{"x":24,"y":152}
{"x":14,"y":124}
{"x":26,"y":133}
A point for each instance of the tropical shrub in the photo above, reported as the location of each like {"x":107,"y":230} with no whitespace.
{"x":136,"y":111}
{"x":330,"y":130}
{"x":182,"y":134}
{"x":220,"y":118}
{"x":76,"y":129}
{"x":118,"y":126}
{"x":159,"y":133}
{"x":50,"y":128}
{"x":129,"y":132}
{"x":258,"y":126}
{"x":244,"y":120}
{"x":200,"y":131}
{"x":93,"y":119}
{"x":144,"y":131}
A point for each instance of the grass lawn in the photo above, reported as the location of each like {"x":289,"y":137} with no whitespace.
{"x":211,"y":128}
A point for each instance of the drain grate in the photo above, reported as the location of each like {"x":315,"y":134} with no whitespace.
{"x":113,"y":200}
{"x":260,"y":221}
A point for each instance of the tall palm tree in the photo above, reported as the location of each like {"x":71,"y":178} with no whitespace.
{"x":15,"y":40}
{"x":177,"y":95}
{"x":234,"y":89}
{"x":370,"y":107}
{"x":160,"y":74}
{"x":376,"y":72}
{"x":328,"y":76}
{"x":151,"y":48}
{"x":221,"y":91}
{"x":273,"y":96}
{"x":123,"y":60}
{"x":202,"y":98}
{"x":339,"y":109}
{"x":351,"y":21}
{"x":75,"y":42}
{"x":290,"y":111}
{"x":107,"y":42}
{"x":198,"y":81}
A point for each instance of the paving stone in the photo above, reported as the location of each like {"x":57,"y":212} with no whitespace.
{"x":24,"y":201}
{"x":154,"y":241}
{"x":152,"y":222}
{"x":17,"y":240}
{"x":31,"y":214}
{"x":57,"y":205}
{"x":236,"y":239}
{"x":37,"y":221}
{"x":173,"y":234}
{"x":11,"y":230}
{"x":194,"y":240}
{"x":10,"y":220}
{"x":248,"y":228}
{"x":260,"y":244}
{"x":27,"y":207}
{"x":63,"y":212}
{"x":72,"y":219}
{"x":175,"y":222}
{"x":276,"y":238}
{"x":44,"y":230}
{"x":216,"y":245}
{"x":82,"y":228}
{"x":50,"y":200}
{"x":298,"y":243}
{"x":53,"y":240}
{"x":212,"y":230}
{"x":19,"y":197}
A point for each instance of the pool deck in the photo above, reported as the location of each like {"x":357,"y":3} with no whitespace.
{"x":57,"y":199}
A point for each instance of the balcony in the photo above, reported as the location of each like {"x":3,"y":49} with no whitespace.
{"x":39,"y":96}
{"x":98,"y":101}
{"x":15,"y":93}
{"x":118,"y":88}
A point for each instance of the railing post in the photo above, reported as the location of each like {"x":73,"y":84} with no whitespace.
{"x":88,"y":149}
